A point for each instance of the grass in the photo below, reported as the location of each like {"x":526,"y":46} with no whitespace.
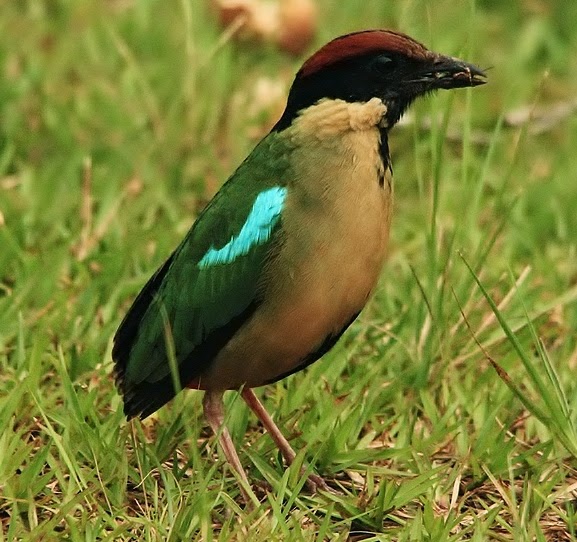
{"x":447,"y":412}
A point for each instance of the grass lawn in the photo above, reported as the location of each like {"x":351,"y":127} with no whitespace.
{"x":447,"y":412}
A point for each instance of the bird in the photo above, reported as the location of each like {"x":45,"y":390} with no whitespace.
{"x":287,"y":253}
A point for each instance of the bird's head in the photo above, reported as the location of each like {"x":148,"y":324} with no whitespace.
{"x":376,"y":64}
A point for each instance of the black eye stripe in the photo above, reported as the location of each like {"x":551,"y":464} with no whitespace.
{"x":383,"y":62}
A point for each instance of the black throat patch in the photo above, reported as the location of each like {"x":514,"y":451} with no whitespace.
{"x":385,"y":157}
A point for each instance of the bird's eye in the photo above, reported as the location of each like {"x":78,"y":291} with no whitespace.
{"x":383,"y":63}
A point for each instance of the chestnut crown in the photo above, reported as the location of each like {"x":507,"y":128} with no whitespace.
{"x":375,"y":63}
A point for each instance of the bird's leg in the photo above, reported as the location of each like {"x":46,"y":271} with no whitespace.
{"x":214,"y":413}
{"x":314,"y":481}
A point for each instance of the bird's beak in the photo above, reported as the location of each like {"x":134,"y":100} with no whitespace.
{"x":447,"y":72}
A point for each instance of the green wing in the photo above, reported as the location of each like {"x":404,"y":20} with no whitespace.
{"x":206,"y":290}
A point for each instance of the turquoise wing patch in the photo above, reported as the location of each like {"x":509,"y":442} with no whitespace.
{"x":256,"y":230}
